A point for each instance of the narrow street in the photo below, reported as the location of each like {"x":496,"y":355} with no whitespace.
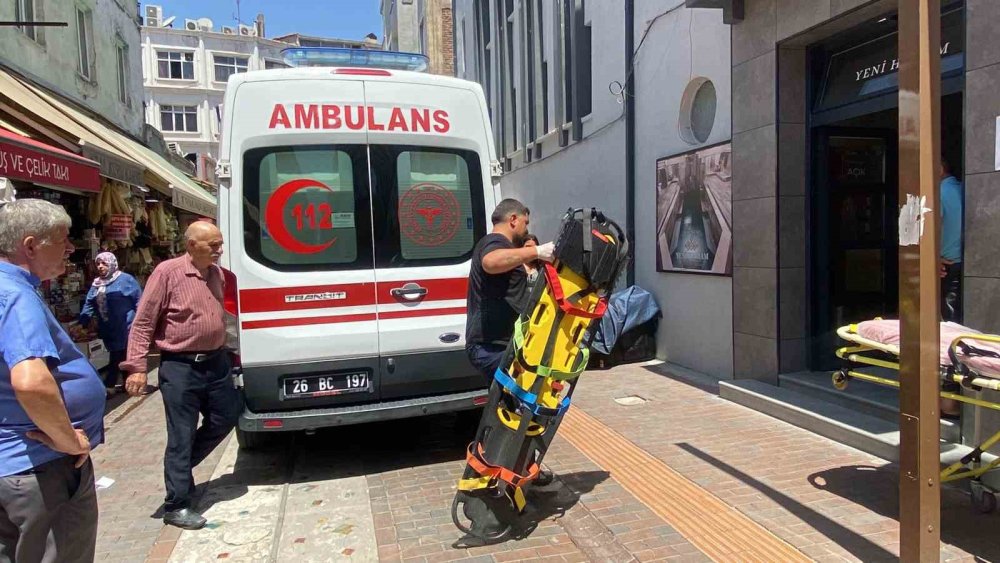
{"x":682,"y":476}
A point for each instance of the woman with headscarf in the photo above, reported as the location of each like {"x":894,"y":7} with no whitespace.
{"x":112,"y":300}
{"x":533,"y":269}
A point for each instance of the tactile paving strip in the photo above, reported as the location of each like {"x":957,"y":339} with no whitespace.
{"x":720,"y":531}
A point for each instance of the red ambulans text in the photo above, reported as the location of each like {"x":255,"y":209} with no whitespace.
{"x":357,"y":117}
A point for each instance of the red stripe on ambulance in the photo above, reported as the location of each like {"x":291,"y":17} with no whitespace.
{"x":299,"y":298}
{"x":358,"y":318}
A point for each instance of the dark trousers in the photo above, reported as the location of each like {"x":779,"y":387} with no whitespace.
{"x":951,"y":293}
{"x":486,"y":358}
{"x":190,"y":389}
{"x":49,"y":514}
{"x":112,"y":372}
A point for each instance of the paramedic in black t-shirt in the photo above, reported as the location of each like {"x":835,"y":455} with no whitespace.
{"x":498,"y":285}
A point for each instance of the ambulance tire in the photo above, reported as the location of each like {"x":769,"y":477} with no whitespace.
{"x":469,"y":418}
{"x":252,"y":440}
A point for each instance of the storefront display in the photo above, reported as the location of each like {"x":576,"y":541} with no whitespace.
{"x":139,"y":230}
{"x":65,"y":294}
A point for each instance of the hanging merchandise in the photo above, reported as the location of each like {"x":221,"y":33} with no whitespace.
{"x":115,"y":209}
{"x":118,"y":227}
{"x":65,"y":294}
{"x":156,"y":237}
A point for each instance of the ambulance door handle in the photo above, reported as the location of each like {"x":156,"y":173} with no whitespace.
{"x":410,"y":292}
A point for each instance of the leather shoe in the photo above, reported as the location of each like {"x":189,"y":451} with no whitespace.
{"x":184,"y":518}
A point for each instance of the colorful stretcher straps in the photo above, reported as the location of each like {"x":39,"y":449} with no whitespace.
{"x":528,"y":398}
{"x":557,"y":291}
{"x":520,"y":332}
{"x":474,"y":457}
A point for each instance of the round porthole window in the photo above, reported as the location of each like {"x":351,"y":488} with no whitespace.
{"x":697,"y":115}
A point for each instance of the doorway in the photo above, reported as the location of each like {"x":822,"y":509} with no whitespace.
{"x":853,"y":220}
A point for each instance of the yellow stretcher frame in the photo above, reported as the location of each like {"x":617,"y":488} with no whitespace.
{"x":960,"y":469}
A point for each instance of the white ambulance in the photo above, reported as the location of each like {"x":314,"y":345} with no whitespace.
{"x":350,"y":199}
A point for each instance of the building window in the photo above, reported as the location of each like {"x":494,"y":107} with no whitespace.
{"x":122,"y":52}
{"x":511,"y":76}
{"x":531,"y":65}
{"x":484,"y":42}
{"x":697,"y":112}
{"x":24,"y":11}
{"x":85,"y":39}
{"x":179,"y":118}
{"x":175,"y":65}
{"x":227,"y":66}
{"x":584,"y":90}
{"x":577,"y":65}
{"x":544,"y":64}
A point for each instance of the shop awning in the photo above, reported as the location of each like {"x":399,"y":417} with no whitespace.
{"x":22,"y":158}
{"x":96,"y":135}
{"x":179,"y":182}
{"x":37,"y":109}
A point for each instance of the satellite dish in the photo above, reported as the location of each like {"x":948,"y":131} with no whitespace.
{"x":169,"y":21}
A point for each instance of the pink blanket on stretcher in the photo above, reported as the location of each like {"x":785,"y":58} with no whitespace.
{"x":887,"y":332}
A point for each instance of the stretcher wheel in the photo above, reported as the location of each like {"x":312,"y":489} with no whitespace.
{"x":840,"y":379}
{"x":479,"y":521}
{"x":983,"y":499}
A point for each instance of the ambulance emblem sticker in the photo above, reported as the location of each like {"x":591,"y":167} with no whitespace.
{"x":429,"y":215}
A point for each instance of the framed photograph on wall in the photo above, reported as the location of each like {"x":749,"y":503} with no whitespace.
{"x":694,"y":212}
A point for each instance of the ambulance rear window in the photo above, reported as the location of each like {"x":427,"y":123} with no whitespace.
{"x":428,"y":205}
{"x":307,"y":207}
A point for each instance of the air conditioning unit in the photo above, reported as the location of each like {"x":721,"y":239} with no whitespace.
{"x":228,"y":30}
{"x":175,"y":148}
{"x":248,"y":30}
{"x":191,"y":25}
{"x":154,"y":15}
{"x":205,"y":24}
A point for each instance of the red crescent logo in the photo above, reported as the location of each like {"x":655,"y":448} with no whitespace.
{"x":274,"y":217}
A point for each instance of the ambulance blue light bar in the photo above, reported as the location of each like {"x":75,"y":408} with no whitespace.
{"x":359,"y":58}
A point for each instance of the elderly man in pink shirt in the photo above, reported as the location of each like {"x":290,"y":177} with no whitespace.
{"x":181,"y":312}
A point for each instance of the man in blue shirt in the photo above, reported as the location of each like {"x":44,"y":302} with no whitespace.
{"x":952,"y":202}
{"x":51,"y":399}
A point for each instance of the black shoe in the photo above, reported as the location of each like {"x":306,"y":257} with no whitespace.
{"x":545,"y":478}
{"x":184,"y":518}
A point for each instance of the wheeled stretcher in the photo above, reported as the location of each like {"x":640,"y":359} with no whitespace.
{"x":532,"y":388}
{"x":968,"y":359}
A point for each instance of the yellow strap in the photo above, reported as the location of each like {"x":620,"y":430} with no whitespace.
{"x":474,"y":483}
{"x":482,"y":482}
{"x":519,"y":500}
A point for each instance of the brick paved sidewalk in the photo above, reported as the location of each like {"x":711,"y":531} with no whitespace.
{"x":720,"y":469}
{"x":826,"y":499}
{"x":132,"y":455}
{"x":829,"y":501}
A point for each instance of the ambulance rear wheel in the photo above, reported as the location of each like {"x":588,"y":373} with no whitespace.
{"x":251,"y":440}
{"x":469,"y":418}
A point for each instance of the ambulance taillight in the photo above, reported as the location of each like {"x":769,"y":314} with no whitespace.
{"x":231,"y":305}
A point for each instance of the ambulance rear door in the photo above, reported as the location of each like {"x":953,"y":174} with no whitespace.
{"x":300,"y":245}
{"x":431,"y":188}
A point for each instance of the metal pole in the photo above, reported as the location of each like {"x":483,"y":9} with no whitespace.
{"x":919,"y":281}
{"x":629,"y":95}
